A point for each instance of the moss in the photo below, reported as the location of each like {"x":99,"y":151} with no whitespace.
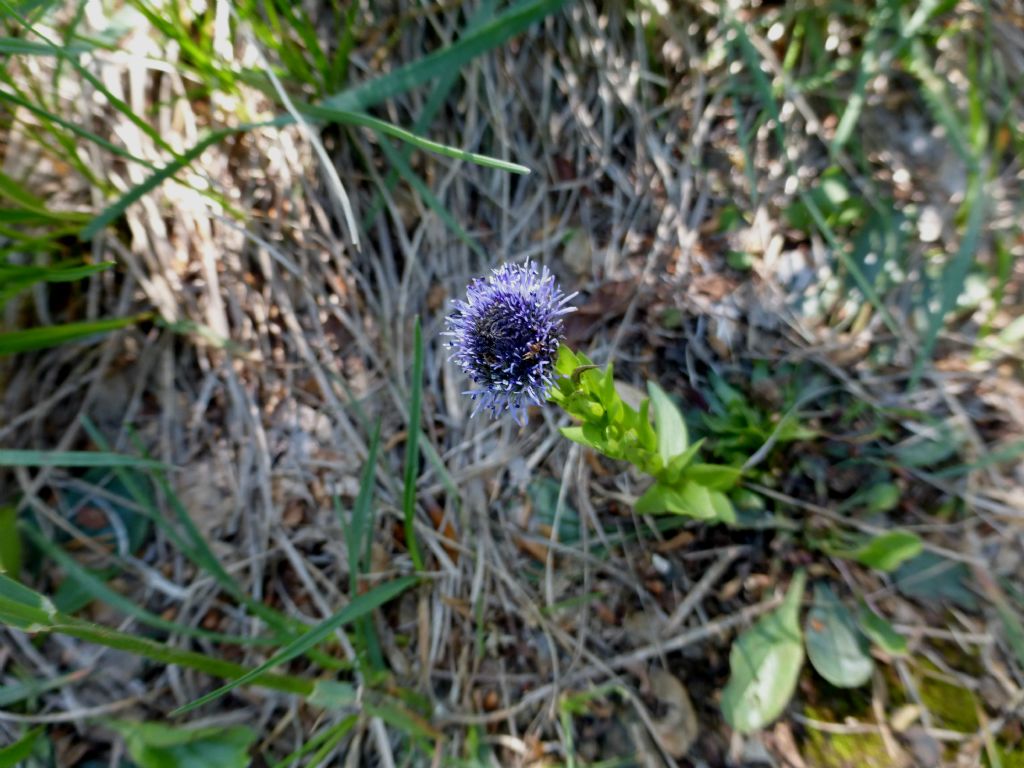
{"x":831,"y":750}
{"x":953,"y":706}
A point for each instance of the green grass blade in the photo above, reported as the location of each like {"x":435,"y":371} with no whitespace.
{"x":95,"y":587}
{"x":955,"y":273}
{"x":29,"y":610}
{"x":413,"y":180}
{"x":15,"y":46}
{"x":360,"y":541}
{"x":869,"y":62}
{"x":115,"y":209}
{"x":431,"y":106}
{"x":329,"y":736}
{"x":13,"y":342}
{"x":76,"y":459}
{"x":412,"y":452}
{"x":360,"y":606}
{"x":388,"y":129}
{"x":12,"y":694}
{"x":14,"y":755}
{"x":453,"y":57}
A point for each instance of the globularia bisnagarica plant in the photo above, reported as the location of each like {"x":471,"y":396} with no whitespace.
{"x":507,"y":337}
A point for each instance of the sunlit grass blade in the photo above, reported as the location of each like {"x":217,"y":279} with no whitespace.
{"x":118,"y":207}
{"x":115,"y":209}
{"x":360,"y":606}
{"x":387,"y":129}
{"x":13,"y":342}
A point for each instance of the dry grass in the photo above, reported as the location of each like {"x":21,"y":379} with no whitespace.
{"x":282,"y":342}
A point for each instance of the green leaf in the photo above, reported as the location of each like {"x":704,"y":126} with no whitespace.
{"x":577,"y":435}
{"x":764,"y":665}
{"x":881,"y":632}
{"x":154,"y":745}
{"x":675,"y":468}
{"x":691,"y":500}
{"x":882,"y":497}
{"x":668,"y":423}
{"x":717,"y":477}
{"x":567,"y":361}
{"x":10,"y":541}
{"x":331,"y":694}
{"x":931,"y":577}
{"x":725,"y":512}
{"x":14,"y":755}
{"x":887,"y":551}
{"x":360,"y":606}
{"x":834,"y":646}
{"x":52,"y":335}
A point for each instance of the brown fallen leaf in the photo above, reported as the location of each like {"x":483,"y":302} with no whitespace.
{"x":677,"y":730}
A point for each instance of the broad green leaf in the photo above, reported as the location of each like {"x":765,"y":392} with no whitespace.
{"x":927,"y":453}
{"x":668,"y":423}
{"x":881,"y":632}
{"x":576,"y":435}
{"x":567,"y":361}
{"x":725,"y":512}
{"x":154,"y":745}
{"x":10,"y":541}
{"x":931,"y":577}
{"x":835,"y":648}
{"x":360,"y":606}
{"x":692,"y":500}
{"x":764,"y":665}
{"x":887,"y":551}
{"x":717,"y":477}
{"x":14,"y":755}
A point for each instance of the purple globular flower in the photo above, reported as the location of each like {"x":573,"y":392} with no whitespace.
{"x":506,"y":334}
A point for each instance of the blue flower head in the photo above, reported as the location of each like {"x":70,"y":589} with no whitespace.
{"x":506,"y":336}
